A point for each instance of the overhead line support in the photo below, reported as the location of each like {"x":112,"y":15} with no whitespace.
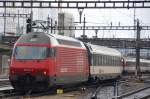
{"x":14,"y":15}
{"x":75,"y":4}
{"x":100,"y":28}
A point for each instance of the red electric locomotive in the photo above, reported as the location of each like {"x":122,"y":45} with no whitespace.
{"x":42,"y":60}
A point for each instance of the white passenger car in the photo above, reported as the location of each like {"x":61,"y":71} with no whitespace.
{"x":105,"y":63}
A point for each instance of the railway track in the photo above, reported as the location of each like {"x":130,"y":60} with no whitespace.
{"x":4,"y":82}
{"x":96,"y":93}
{"x":9,"y":92}
{"x":6,"y":92}
{"x":142,"y":93}
{"x":98,"y":86}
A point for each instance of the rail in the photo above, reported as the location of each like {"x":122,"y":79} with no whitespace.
{"x":129,"y":94}
{"x":114,"y":84}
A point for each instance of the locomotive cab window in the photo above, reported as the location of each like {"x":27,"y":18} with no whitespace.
{"x":30,"y":52}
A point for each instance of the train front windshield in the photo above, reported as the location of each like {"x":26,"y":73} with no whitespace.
{"x":30,"y":52}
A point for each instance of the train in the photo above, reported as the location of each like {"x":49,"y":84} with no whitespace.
{"x":40,"y":61}
{"x":129,"y":66}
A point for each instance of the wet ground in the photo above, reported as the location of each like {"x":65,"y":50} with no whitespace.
{"x":106,"y":92}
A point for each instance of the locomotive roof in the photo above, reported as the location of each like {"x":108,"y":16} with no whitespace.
{"x":72,"y":41}
{"x":39,"y":37}
{"x":104,"y":50}
{"x":34,"y":37}
{"x":64,"y":37}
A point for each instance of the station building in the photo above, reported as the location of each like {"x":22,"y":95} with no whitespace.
{"x":65,"y":20}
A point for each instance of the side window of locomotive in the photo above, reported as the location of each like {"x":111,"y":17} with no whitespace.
{"x":15,"y":51}
{"x":52,"y":52}
{"x":70,"y":43}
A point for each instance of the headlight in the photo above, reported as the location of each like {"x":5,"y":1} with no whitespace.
{"x":44,"y":72}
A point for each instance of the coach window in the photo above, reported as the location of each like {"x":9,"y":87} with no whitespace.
{"x":119,"y":61}
{"x":129,"y":63}
{"x":145,"y":64}
{"x":109,"y":60}
{"x":141,"y":64}
{"x":116,"y":61}
{"x":113,"y":61}
{"x":105,"y":62}
{"x":100,"y":59}
{"x":97,"y":60}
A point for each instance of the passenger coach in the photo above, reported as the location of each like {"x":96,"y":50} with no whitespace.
{"x":105,"y":63}
{"x":130,"y":66}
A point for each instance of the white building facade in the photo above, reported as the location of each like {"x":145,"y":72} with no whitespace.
{"x":65,"y":20}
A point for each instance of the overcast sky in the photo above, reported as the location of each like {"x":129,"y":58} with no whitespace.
{"x":116,"y":16}
{"x":99,"y":17}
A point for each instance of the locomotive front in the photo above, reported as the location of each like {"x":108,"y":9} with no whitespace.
{"x":30,"y":63}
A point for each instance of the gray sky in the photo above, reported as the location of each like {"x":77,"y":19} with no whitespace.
{"x":100,"y":17}
{"x":106,"y":16}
